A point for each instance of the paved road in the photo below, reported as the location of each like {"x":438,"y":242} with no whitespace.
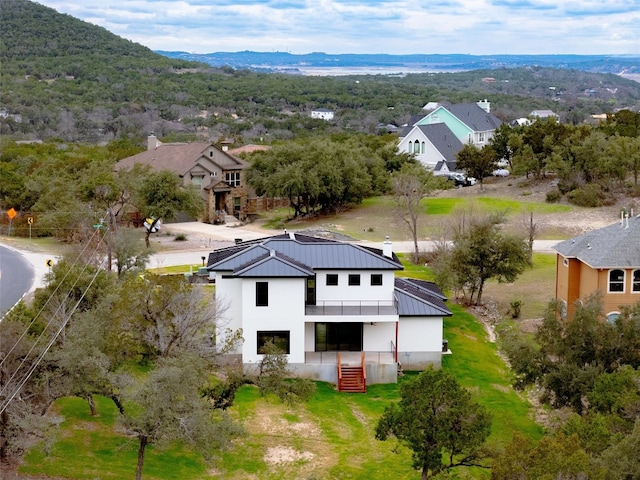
{"x":222,"y":233}
{"x":16,"y":277}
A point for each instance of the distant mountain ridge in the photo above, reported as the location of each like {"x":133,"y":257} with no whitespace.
{"x":277,"y":61}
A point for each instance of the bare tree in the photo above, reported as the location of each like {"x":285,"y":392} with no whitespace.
{"x":531,"y":229}
{"x":168,"y":406}
{"x":410,"y":185}
{"x":166,"y":314}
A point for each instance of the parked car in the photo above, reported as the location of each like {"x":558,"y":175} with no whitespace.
{"x":501,"y":172}
{"x":461,"y":180}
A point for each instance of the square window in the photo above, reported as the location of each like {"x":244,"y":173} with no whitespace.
{"x":332,"y":279}
{"x":354,"y":279}
{"x":376,"y":279}
{"x":279,"y":338}
{"x":262,"y":294}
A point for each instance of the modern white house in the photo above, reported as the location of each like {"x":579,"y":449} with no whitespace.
{"x":331,"y":306}
{"x":322,"y":113}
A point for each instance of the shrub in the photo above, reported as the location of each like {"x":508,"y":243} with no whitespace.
{"x":568,"y":186}
{"x":590,"y":195}
{"x":181,"y":237}
{"x":516,"y":307}
{"x":553,"y":196}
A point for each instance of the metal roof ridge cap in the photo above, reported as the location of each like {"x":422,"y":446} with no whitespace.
{"x":420,"y":287}
{"x":382,"y":256}
{"x":240,"y":252}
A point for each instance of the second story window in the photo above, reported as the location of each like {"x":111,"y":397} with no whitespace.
{"x":636,"y":281}
{"x":262,"y":294}
{"x":354,"y":279}
{"x":376,"y":279}
{"x":197,"y":180}
{"x":232,"y":179}
{"x":616,"y":281}
{"x":332,"y":279}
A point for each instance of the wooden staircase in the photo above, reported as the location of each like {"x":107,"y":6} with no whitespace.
{"x":352,"y":378}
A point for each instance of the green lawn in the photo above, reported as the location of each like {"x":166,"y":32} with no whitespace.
{"x":88,"y":447}
{"x":535,"y":287}
{"x":375,"y":217}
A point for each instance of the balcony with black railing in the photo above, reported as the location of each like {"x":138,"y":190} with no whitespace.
{"x":352,"y":307}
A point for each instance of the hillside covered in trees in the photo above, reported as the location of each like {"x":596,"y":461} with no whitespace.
{"x":65,"y":78}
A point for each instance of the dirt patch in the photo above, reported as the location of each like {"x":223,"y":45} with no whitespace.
{"x":280,"y":454}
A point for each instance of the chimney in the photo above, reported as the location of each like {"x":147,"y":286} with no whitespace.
{"x":387,"y":247}
{"x":485,"y":105}
{"x":152,"y":142}
{"x":224,"y":145}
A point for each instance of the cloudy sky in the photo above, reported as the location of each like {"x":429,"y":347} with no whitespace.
{"x":478,"y":27}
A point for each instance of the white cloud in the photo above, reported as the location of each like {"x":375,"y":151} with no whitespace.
{"x":370,"y":26}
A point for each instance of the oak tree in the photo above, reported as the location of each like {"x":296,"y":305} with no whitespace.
{"x":437,"y":418}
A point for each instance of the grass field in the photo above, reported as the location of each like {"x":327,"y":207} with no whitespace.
{"x":534,"y":288}
{"x":375,"y":217}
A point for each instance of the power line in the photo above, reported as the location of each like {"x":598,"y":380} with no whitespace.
{"x":22,"y":381}
{"x":26,"y":331}
{"x":35,"y":364}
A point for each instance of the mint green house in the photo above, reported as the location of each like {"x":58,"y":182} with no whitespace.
{"x":460,"y":124}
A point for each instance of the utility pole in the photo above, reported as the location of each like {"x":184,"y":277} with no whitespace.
{"x":109,"y":226}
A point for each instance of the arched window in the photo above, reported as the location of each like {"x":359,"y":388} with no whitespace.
{"x":423,"y":147}
{"x":612,"y":317}
{"x":636,"y":281}
{"x":616,"y":281}
{"x":410,"y":147}
{"x":416,"y":147}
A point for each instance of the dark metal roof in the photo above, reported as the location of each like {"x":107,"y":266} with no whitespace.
{"x":301,"y":252}
{"x":273,"y":264}
{"x":474,"y":117}
{"x":417,"y":298}
{"x":617,"y":245}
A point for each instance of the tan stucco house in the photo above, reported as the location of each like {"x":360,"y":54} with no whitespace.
{"x":605,"y":260}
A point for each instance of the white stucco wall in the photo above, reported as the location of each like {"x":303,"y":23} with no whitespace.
{"x":378,"y":337}
{"x":420,"y":334}
{"x":228,"y":291}
{"x":284,"y":312}
{"x":363,"y":292}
